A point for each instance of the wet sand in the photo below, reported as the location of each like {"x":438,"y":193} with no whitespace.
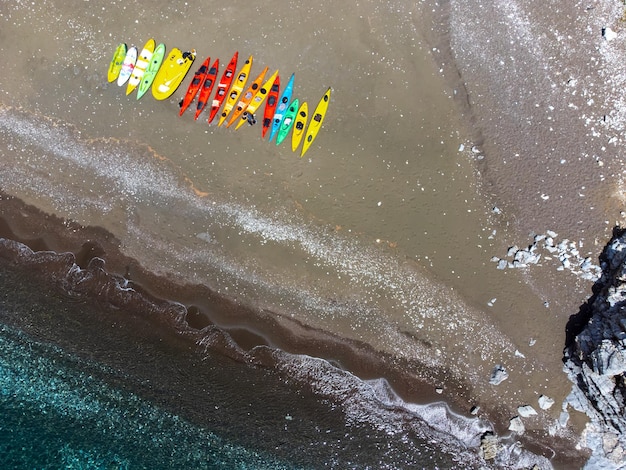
{"x":525,"y":88}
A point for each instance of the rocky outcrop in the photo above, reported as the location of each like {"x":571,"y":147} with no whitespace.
{"x":595,"y":359}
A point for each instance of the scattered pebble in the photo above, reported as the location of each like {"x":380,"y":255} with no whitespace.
{"x":608,"y":34}
{"x":526,"y":411}
{"x":545,"y":402}
{"x":498,"y":375}
{"x":516,"y":425}
{"x":565,"y":251}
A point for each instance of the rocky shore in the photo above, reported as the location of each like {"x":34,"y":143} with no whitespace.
{"x":595,"y":360}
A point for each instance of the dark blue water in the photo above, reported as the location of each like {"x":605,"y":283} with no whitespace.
{"x":86,"y":386}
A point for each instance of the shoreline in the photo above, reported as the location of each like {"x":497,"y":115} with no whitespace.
{"x":412,"y":382}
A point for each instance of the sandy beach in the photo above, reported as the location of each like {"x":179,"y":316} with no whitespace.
{"x":467,"y":128}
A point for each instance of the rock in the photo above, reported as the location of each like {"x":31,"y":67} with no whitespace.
{"x":502,"y":264}
{"x":488,"y":446}
{"x":516,"y":425}
{"x":608,"y":34}
{"x":512,"y":250}
{"x":545,"y":403}
{"x":595,"y":356}
{"x":475,"y":409}
{"x":498,"y":375}
{"x":552,"y":234}
{"x":526,"y":411}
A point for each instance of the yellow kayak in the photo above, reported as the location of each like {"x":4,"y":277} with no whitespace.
{"x":172,"y":73}
{"x":298,"y":127}
{"x":236,"y":89}
{"x":140,"y":66}
{"x":115,"y":66}
{"x":246,"y":98}
{"x":316,"y":122}
{"x":257,"y":100}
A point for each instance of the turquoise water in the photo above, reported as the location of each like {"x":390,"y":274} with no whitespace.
{"x":83,"y":386}
{"x":55,"y":415}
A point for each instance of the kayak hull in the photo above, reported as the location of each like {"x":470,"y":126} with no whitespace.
{"x":258,"y":99}
{"x":235,"y":90}
{"x":223,"y":86}
{"x":288,"y":120}
{"x":281,"y":107}
{"x":196,"y":83}
{"x":270,"y":106}
{"x":207,"y":88}
{"x":151,"y":70}
{"x":140,"y":66}
{"x":115,"y":66}
{"x":299,"y":125}
{"x":247,"y":97}
{"x":317,"y":118}
{"x":127,"y":66}
{"x":172,"y":73}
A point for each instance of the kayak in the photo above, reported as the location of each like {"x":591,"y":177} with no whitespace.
{"x":151,"y":71}
{"x":222,"y":86}
{"x":257,"y":100}
{"x":115,"y":66}
{"x":198,"y":80}
{"x":299,"y":125}
{"x":172,"y":73}
{"x":281,"y":107}
{"x":140,"y":67}
{"x":270,"y":106}
{"x":246,"y":97}
{"x":236,"y":89}
{"x":316,"y":122}
{"x":207,"y":87}
{"x":127,"y":66}
{"x":285,"y":126}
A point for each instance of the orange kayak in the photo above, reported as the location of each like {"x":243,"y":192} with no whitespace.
{"x":223,"y":86}
{"x":198,"y":80}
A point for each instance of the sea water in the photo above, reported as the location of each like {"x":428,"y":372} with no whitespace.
{"x":83,"y":386}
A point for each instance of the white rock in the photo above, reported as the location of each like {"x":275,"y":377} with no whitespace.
{"x":498,"y":375}
{"x":551,"y":234}
{"x":526,"y":411}
{"x":516,"y":425}
{"x":545,"y":402}
{"x":609,"y":34}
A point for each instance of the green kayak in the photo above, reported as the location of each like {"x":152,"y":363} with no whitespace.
{"x":151,"y":71}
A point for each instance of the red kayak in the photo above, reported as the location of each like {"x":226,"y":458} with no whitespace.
{"x":223,"y":86}
{"x":270,"y":106}
{"x":207,"y":87}
{"x":198,"y":79}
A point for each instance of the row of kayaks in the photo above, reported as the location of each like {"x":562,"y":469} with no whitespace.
{"x":238,"y":97}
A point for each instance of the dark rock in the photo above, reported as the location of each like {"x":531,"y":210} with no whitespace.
{"x":595,"y":356}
